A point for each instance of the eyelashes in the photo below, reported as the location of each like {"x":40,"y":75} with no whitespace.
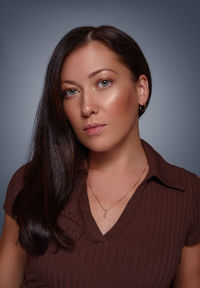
{"x":103,"y":83}
{"x":70,"y":92}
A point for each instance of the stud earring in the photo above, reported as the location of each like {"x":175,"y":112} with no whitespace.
{"x":142,"y":108}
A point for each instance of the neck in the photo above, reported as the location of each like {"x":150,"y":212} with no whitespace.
{"x":123,"y":158}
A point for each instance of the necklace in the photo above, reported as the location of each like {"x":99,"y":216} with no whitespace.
{"x":106,"y":210}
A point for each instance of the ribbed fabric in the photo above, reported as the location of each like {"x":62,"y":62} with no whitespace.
{"x":142,"y":250}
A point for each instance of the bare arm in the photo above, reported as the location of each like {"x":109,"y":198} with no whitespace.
{"x":12,"y":256}
{"x":188,"y":273}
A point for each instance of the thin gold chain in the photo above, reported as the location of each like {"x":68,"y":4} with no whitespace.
{"x":106,"y":210}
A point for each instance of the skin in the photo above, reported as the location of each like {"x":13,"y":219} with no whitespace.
{"x":115,"y":152}
{"x":117,"y":149}
{"x":12,"y":257}
{"x":102,"y":90}
{"x":114,"y":103}
{"x":188,"y":272}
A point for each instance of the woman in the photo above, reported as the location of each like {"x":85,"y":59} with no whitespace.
{"x":96,"y":206}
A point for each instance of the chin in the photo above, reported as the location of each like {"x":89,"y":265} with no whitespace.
{"x":98,"y":147}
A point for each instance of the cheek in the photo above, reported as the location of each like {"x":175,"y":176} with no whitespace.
{"x":123,"y":103}
{"x":71,"y":113}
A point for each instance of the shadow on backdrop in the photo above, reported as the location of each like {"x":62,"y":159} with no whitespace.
{"x":169,"y":37}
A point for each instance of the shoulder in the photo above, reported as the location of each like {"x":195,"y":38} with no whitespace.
{"x":17,"y":178}
{"x":191,"y":195}
{"x":171,"y":175}
{"x":189,"y":179}
{"x":14,"y":187}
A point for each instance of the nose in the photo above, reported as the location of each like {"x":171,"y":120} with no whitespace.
{"x":88,"y":105}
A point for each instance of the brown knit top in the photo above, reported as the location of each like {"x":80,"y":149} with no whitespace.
{"x":143,"y":248}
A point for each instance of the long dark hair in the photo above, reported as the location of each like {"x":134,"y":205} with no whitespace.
{"x":56,"y":163}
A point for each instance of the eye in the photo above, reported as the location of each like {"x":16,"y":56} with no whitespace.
{"x":104,"y":83}
{"x":70,"y":92}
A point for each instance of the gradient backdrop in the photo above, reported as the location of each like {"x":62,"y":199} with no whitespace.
{"x":168,"y":33}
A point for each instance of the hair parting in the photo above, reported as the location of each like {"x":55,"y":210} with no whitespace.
{"x":57,"y":161}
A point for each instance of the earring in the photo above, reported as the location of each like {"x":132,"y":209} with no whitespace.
{"x":142,"y":108}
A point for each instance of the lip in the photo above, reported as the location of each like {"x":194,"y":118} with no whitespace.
{"x":94,"y":128}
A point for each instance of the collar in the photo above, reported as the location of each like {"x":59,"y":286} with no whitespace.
{"x":161,"y":169}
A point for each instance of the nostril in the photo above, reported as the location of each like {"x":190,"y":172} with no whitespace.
{"x":87,"y":111}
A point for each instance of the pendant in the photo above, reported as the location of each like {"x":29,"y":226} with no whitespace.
{"x":105,"y":211}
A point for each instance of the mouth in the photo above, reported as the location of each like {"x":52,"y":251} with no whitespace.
{"x":94,"y":128}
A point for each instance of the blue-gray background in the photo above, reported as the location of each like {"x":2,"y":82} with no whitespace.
{"x":168,"y":33}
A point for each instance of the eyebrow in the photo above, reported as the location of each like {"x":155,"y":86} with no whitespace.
{"x":91,"y":75}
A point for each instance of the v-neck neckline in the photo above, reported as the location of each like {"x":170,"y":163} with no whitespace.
{"x":93,"y":231}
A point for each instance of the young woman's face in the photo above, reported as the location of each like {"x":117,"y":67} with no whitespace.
{"x":98,"y":90}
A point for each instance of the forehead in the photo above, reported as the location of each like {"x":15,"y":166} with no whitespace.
{"x":90,"y":57}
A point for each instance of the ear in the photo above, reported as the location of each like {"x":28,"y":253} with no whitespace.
{"x":142,"y":87}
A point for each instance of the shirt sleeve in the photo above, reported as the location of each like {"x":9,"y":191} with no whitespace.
{"x":14,"y":187}
{"x":193,"y":236}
